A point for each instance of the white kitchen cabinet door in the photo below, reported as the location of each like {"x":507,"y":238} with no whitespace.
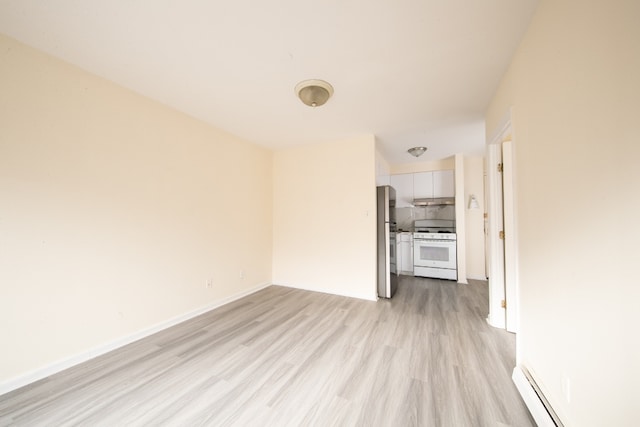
{"x":443,"y":184}
{"x":423,"y":185}
{"x":403,"y":184}
{"x":406,"y":249}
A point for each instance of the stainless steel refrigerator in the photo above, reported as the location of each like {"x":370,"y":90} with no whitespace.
{"x":386,"y":225}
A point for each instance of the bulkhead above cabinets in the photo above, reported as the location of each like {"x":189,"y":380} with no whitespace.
{"x":424,"y":188}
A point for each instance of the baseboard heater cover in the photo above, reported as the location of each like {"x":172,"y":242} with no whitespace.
{"x":538,"y":406}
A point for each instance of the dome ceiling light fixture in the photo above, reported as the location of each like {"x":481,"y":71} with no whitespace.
{"x":417,"y":151}
{"x":314,"y":93}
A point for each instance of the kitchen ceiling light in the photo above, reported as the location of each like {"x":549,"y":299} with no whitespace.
{"x":417,"y":151}
{"x":314,"y":93}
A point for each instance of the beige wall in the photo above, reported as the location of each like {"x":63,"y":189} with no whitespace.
{"x":474,"y":218}
{"x":324,"y":218}
{"x":575,"y":88}
{"x":114,"y":212}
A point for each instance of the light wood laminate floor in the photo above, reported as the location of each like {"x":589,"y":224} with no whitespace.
{"x":287,"y":357}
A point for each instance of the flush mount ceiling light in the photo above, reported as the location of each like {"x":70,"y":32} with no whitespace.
{"x":417,"y":151}
{"x":314,"y":93}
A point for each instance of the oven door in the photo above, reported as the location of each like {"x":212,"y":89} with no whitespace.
{"x":434,"y":253}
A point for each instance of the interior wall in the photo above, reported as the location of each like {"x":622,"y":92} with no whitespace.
{"x":115,"y":212}
{"x":574,"y":88}
{"x":383,"y":170}
{"x":461,"y":223}
{"x":324,"y":218}
{"x":434,"y":165}
{"x":474,"y":218}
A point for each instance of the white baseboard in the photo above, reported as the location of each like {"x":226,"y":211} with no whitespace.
{"x":497,"y":321}
{"x":531,"y":399}
{"x":60,"y":365}
{"x":371,"y":297}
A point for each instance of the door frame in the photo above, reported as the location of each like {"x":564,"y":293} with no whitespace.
{"x":497,"y":314}
{"x":510,"y":258}
{"x":503,"y":274}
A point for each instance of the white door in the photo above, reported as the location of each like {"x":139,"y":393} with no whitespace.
{"x":502,"y":272}
{"x":496,"y":242}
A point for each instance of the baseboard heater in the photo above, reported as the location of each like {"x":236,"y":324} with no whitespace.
{"x":538,"y":406}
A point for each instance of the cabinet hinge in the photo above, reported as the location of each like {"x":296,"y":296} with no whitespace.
{"x":500,"y":167}
{"x":503,"y":304}
{"x":501,"y":235}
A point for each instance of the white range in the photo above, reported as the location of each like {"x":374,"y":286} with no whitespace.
{"x":434,"y":249}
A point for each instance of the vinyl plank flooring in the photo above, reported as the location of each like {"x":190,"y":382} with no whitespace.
{"x":288,"y":357}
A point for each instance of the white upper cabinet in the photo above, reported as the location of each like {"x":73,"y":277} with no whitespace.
{"x":403,"y":184}
{"x":443,"y":184}
{"x":423,"y":185}
{"x":428,"y":185}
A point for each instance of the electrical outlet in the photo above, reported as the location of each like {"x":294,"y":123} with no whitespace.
{"x":209,"y":283}
{"x":241,"y":273}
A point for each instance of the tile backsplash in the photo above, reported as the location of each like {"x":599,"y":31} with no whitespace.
{"x":406,"y":216}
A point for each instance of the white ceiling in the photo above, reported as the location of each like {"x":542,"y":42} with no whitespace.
{"x":411,"y":72}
